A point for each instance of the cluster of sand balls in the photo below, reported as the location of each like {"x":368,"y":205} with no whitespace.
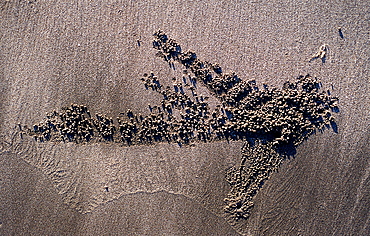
{"x":286,"y":115}
{"x":73,"y":124}
{"x":271,"y":121}
{"x":258,"y":161}
{"x":209,"y":74}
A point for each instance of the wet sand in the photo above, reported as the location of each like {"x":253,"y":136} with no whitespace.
{"x":55,"y":54}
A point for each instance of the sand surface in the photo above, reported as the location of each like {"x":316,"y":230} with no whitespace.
{"x":60,"y":52}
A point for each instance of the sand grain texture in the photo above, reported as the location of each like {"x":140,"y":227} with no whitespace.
{"x":60,"y":52}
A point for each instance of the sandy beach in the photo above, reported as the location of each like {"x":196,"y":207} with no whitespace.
{"x":58,"y":53}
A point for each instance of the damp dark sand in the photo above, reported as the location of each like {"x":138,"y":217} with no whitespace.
{"x":56,"y":54}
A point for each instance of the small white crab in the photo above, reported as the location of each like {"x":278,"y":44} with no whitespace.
{"x":321,"y":52}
